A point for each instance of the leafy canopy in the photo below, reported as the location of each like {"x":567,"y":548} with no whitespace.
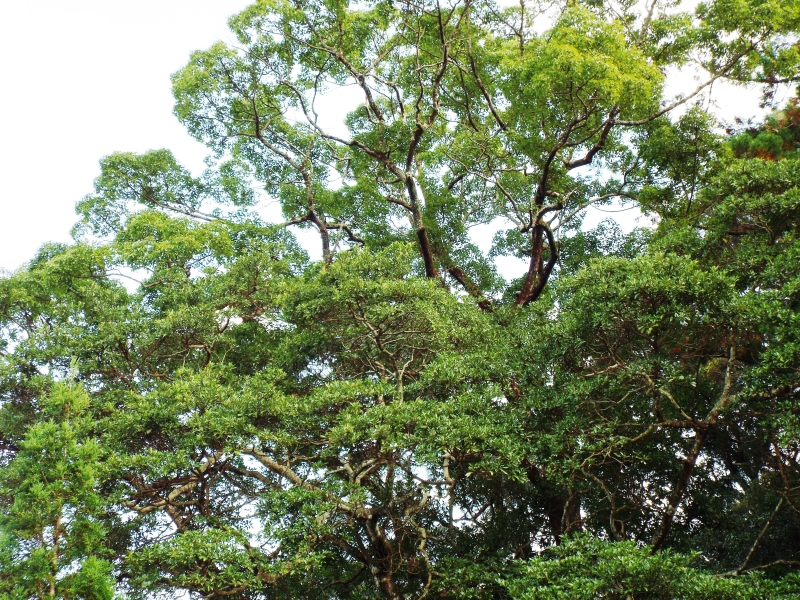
{"x":189,"y":403}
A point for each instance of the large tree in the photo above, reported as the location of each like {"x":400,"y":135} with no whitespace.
{"x":396,"y":419}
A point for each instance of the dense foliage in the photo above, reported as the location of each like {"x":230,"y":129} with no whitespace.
{"x":189,"y":402}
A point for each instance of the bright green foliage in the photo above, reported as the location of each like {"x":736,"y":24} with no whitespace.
{"x":52,"y":538}
{"x":582,"y":569}
{"x":397,"y":420}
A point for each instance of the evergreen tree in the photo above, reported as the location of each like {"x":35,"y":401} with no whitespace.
{"x":396,"y":419}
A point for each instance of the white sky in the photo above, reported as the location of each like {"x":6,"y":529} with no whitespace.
{"x":81,"y":79}
{"x":85,"y":78}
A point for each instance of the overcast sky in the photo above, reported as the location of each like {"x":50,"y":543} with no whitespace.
{"x":85,"y":78}
{"x":81,"y":79}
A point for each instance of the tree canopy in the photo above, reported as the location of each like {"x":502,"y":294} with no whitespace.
{"x":189,"y":403}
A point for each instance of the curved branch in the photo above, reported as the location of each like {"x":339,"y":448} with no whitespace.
{"x":548,"y":267}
